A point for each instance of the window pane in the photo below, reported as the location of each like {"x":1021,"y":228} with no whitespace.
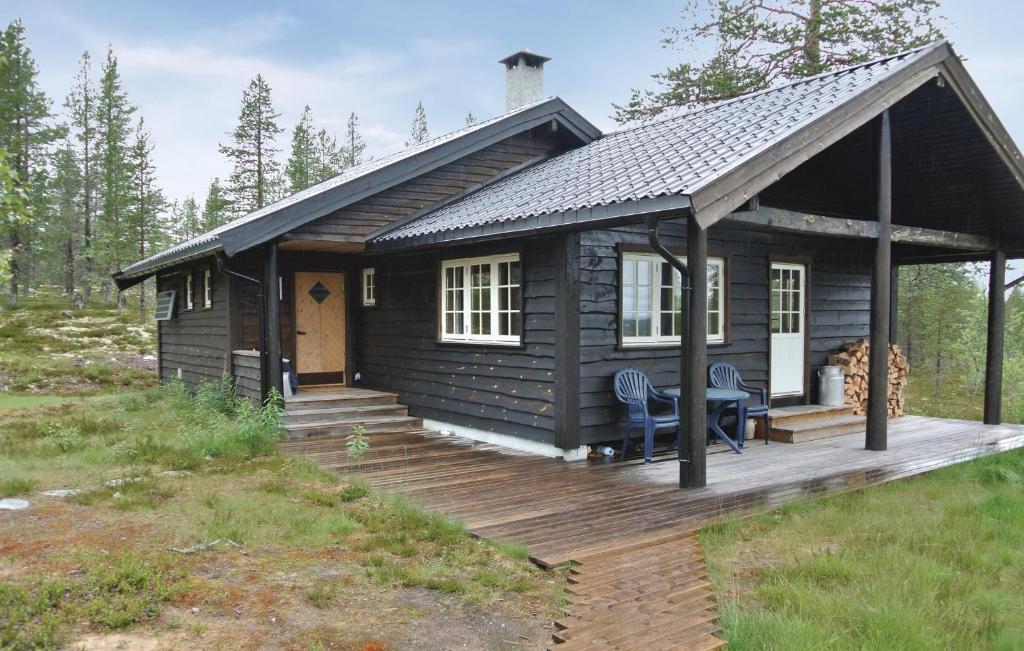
{"x":629,"y":298}
{"x":776,"y":301}
{"x":713,"y":325}
{"x":667,"y":299}
{"x":643,"y":273}
{"x":714,"y":274}
{"x":502,"y":324}
{"x":629,"y":272}
{"x":629,"y":327}
{"x":516,"y":323}
{"x":503,"y":273}
{"x":667,"y":319}
{"x":677,"y":320}
{"x":485,"y":323}
{"x":795,"y":323}
{"x":643,"y":325}
{"x":503,"y":298}
{"x":666,"y":274}
{"x":776,"y":279}
{"x":485,"y":298}
{"x":785,"y":301}
{"x":644,"y":298}
{"x":785,"y":323}
{"x":713,"y":299}
{"x":776,"y":323}
{"x":474,"y":323}
{"x":517,"y":298}
{"x":514,"y":273}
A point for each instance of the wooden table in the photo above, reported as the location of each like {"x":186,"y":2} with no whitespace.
{"x":722,"y":398}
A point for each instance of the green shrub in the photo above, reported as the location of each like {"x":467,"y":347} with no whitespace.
{"x":355,"y":490}
{"x":127,"y":589}
{"x":30,"y":617}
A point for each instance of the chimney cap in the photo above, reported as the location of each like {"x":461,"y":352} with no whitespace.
{"x":531,"y":58}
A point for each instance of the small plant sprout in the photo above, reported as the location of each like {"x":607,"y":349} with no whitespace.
{"x":356,"y":444}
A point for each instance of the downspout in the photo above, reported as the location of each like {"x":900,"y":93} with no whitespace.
{"x":261,"y":318}
{"x":682,"y":437}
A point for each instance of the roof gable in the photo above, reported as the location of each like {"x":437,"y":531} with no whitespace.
{"x":361,"y":182}
{"x":710,"y":159}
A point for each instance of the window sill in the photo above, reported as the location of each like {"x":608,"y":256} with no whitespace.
{"x":663,"y":345}
{"x":514,"y":345}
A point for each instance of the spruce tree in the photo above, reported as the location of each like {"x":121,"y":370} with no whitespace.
{"x":25,"y":134}
{"x":354,"y":146}
{"x":146,"y":202}
{"x":81,"y":107}
{"x":252,"y":150}
{"x":470,"y":119}
{"x":299,"y":168}
{"x":64,"y":229}
{"x":216,"y":208}
{"x":419,"y":132}
{"x":187,"y":220}
{"x":113,"y":126}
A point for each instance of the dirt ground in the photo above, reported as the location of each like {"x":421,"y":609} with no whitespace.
{"x":258,"y":598}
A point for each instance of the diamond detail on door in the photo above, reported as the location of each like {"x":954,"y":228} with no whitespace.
{"x":319,"y":292}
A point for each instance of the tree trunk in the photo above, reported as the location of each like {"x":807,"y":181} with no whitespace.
{"x":69,"y":266}
{"x":15,"y":264}
{"x":812,"y":38}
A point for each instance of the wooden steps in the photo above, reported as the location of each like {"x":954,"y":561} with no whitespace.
{"x":803,"y":423}
{"x":337,"y":411}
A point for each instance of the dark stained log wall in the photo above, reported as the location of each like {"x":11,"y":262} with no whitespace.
{"x":510,"y":390}
{"x":195,"y":341}
{"x":840,"y":284}
{"x":354,"y":222}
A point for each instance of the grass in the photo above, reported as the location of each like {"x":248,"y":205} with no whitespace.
{"x":172,"y":471}
{"x":931,"y":562}
{"x":46,"y":347}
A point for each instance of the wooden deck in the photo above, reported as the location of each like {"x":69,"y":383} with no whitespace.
{"x":606,"y":514}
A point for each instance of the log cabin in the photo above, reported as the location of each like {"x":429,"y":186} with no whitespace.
{"x":493,"y":279}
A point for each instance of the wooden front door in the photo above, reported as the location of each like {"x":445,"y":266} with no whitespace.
{"x":320,"y":327}
{"x":788,"y":328}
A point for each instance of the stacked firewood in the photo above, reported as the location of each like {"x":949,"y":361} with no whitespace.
{"x":854,"y":360}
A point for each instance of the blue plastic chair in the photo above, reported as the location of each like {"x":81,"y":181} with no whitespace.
{"x":633,"y":388}
{"x":725,"y":376}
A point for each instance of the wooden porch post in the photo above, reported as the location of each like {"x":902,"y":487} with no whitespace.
{"x":273,"y":303}
{"x":881,"y":277}
{"x":894,"y":302}
{"x":693,"y":360}
{"x":996,"y":333}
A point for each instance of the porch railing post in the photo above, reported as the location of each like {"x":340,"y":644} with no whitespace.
{"x":273,"y":303}
{"x":694,"y":355}
{"x":881,"y":277}
{"x":996,"y":334}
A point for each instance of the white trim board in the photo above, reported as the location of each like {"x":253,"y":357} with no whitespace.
{"x":507,"y":441}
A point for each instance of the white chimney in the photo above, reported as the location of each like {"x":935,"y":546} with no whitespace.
{"x":524,"y":78}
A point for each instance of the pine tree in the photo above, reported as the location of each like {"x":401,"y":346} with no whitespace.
{"x":25,"y":134}
{"x":216,"y":208}
{"x":14,"y":207}
{"x":470,"y":119}
{"x":252,"y":149}
{"x":145,"y":204}
{"x":113,"y":126}
{"x":354,"y":146}
{"x":419,"y":132}
{"x":299,"y":168}
{"x":64,"y":229}
{"x":81,"y":106}
{"x":756,"y":44}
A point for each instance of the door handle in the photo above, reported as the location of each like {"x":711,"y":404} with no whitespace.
{"x":300,"y":332}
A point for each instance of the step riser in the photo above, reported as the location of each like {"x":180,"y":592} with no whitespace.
{"x":787,"y":436}
{"x":341,"y":429}
{"x":334,"y":402}
{"x":837,"y":412}
{"x":347,"y":418}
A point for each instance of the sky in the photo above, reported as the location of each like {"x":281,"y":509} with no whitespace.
{"x":185,"y":64}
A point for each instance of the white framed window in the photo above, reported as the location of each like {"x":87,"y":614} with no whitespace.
{"x":369,"y":286}
{"x":207,"y":289}
{"x":481,"y":299}
{"x":189,"y":291}
{"x":651,"y":310}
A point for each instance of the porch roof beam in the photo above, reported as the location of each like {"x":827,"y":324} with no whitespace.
{"x":811,"y":224}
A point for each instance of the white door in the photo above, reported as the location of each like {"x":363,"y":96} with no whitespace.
{"x":788,"y":284}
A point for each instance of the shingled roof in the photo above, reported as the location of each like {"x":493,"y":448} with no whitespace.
{"x":357,"y":183}
{"x":674,"y":162}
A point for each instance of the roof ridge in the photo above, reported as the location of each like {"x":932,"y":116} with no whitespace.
{"x":796,"y":82}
